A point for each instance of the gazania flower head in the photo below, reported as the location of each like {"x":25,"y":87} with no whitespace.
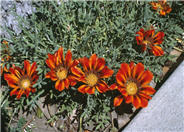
{"x":148,"y":39}
{"x":94,"y":70}
{"x":60,"y":69}
{"x":22,"y":80}
{"x":161,"y":6}
{"x":132,"y":81}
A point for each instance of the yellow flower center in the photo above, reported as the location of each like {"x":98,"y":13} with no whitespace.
{"x":146,"y":42}
{"x":25,"y":83}
{"x":91,"y":79}
{"x":131,"y":88}
{"x":61,"y":73}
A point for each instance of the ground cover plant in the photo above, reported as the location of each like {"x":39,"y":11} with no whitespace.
{"x":87,"y":59}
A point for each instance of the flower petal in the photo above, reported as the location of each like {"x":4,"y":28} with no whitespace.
{"x":77,"y":72}
{"x":85,"y":63}
{"x":66,"y":82}
{"x":27,"y":67}
{"x":50,"y":61}
{"x":20,"y":93}
{"x":113,"y":86}
{"x":11,"y":77}
{"x":144,"y":102}
{"x":129,"y":99}
{"x":90,"y":90}
{"x":51,"y":75}
{"x":147,"y":90}
{"x":125,"y":70}
{"x":138,"y":70}
{"x":82,"y":88}
{"x":118,"y":100}
{"x":33,"y":69}
{"x":157,"y":50}
{"x":68,"y":58}
{"x":106,"y":72}
{"x":102,"y":86}
{"x":60,"y":85}
{"x":144,"y":95}
{"x":146,"y":77}
{"x":120,"y":78}
{"x":100,"y":64}
{"x":92,"y":61}
{"x":136,"y":102}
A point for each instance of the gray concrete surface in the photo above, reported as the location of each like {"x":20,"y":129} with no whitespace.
{"x":165,"y":112}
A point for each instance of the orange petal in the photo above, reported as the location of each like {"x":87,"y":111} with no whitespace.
{"x":77,"y":71}
{"x":20,"y":93}
{"x":123,"y":91}
{"x":149,"y":33}
{"x":125,"y":70}
{"x":144,"y":95}
{"x":90,"y":90}
{"x":60,"y":57}
{"x":157,"y":50}
{"x":159,"y":36}
{"x":92,"y":61}
{"x":68,"y":58}
{"x":118,"y":100}
{"x":144,"y":102}
{"x":106,"y":72}
{"x":136,"y":102}
{"x":66,"y":82}
{"x":102,"y":86}
{"x":113,"y":86}
{"x":14,"y":91}
{"x":147,"y":90}
{"x":100,"y":64}
{"x":128,"y":99}
{"x":82,"y":88}
{"x":33,"y":69}
{"x":146,"y":77}
{"x":59,"y":85}
{"x":138,"y":70}
{"x":11,"y":77}
{"x":162,"y":12}
{"x":27,"y":67}
{"x":72,"y":80}
{"x":12,"y":84}
{"x":50,"y":61}
{"x":140,"y":38}
{"x":131,"y":65}
{"x":120,"y":78}
{"x":85,"y":63}
{"x":51,"y":75}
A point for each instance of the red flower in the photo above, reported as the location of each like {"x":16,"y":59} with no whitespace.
{"x":132,"y":83}
{"x":94,"y":70}
{"x":60,"y":69}
{"x":22,"y":80}
{"x":161,"y":6}
{"x":150,"y":40}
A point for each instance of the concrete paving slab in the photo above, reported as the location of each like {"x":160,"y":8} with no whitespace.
{"x":165,"y":112}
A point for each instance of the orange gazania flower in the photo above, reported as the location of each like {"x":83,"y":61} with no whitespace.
{"x":148,"y":39}
{"x":161,"y":6}
{"x":60,"y":69}
{"x":6,"y":56}
{"x":22,"y":80}
{"x":94,"y":70}
{"x":132,"y":83}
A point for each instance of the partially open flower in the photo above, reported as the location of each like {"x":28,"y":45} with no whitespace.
{"x":94,"y":70}
{"x":148,"y":39}
{"x":161,"y":6}
{"x":60,"y":69}
{"x":133,"y":84}
{"x":4,"y":56}
{"x":22,"y":80}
